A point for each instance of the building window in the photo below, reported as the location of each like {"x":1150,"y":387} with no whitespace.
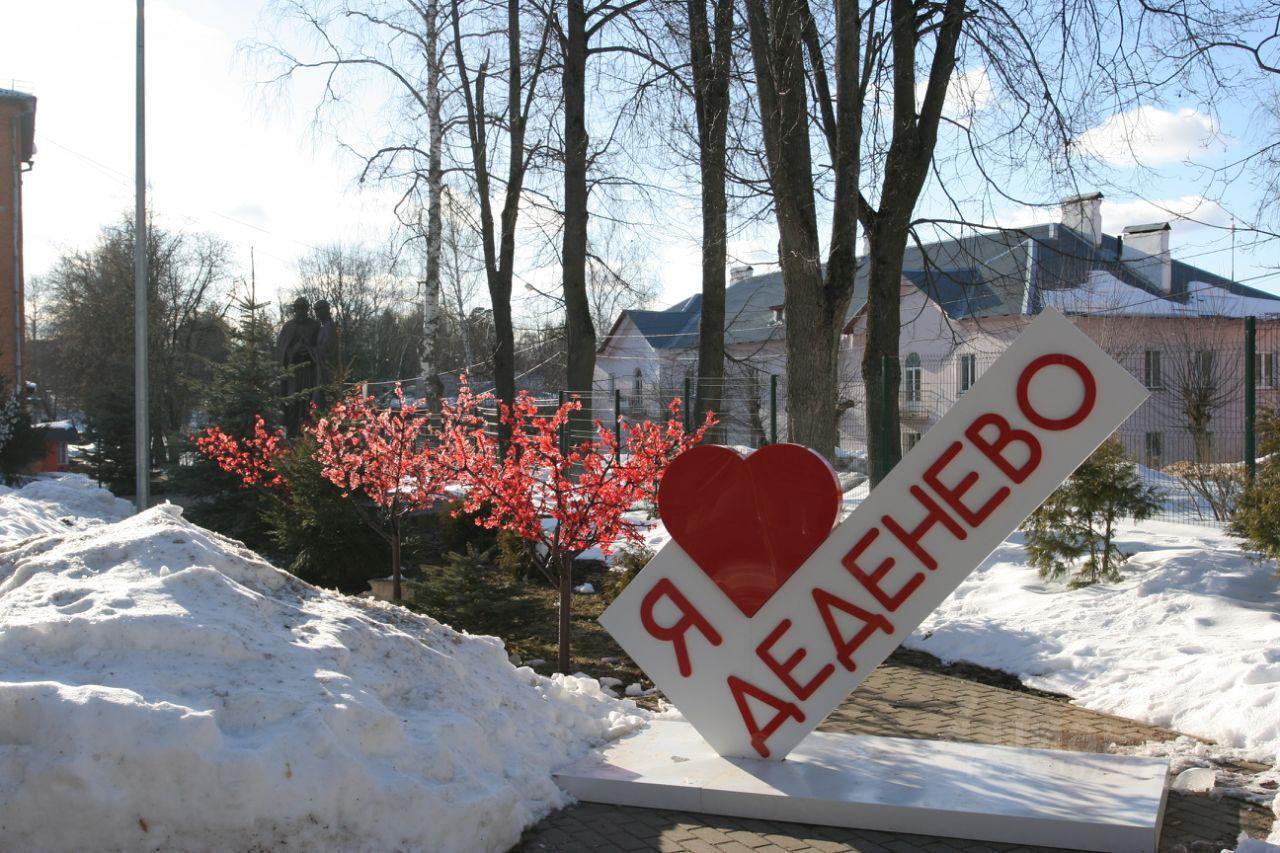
{"x":1153,"y":449}
{"x":1152,"y":370}
{"x":1264,"y":369}
{"x":911,"y":380}
{"x":968,"y":371}
{"x":779,"y":315}
{"x":635,"y":405}
{"x":909,"y":440}
{"x":1202,"y":368}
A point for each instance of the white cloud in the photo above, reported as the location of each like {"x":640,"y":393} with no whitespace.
{"x":1150,"y":136}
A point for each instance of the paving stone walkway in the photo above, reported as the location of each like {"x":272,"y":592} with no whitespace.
{"x":906,"y":701}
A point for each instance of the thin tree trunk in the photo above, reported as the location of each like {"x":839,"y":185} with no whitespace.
{"x":430,"y":382}
{"x":564,"y":660}
{"x":580,"y":331}
{"x":395,"y":555}
{"x":710,"y":69}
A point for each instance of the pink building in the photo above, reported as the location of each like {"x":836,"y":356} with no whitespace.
{"x":1177,"y":327}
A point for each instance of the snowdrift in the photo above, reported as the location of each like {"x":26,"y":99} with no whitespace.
{"x":55,"y":505}
{"x":1189,"y":639}
{"x":162,"y":687}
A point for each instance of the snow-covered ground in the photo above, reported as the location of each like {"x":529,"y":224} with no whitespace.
{"x":1190,"y":639}
{"x":162,"y":687}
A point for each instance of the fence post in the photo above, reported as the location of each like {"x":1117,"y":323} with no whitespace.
{"x":885,"y":427}
{"x":617,"y":424}
{"x":1250,"y":397}
{"x":688,"y":418}
{"x":773,"y":408}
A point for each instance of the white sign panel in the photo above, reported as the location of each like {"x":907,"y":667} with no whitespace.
{"x":756,"y":664}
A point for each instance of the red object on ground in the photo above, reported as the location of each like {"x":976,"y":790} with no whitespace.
{"x":749,"y":523}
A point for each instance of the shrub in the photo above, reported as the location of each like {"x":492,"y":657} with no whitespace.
{"x":1257,"y":516}
{"x":318,"y":531}
{"x":467,"y":591}
{"x":1078,"y":520}
{"x":626,"y":565}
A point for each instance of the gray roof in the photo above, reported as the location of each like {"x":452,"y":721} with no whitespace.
{"x":997,"y":273}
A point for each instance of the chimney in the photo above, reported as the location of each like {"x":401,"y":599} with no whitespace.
{"x":1084,"y":214}
{"x":739,"y":272}
{"x":1146,"y":252}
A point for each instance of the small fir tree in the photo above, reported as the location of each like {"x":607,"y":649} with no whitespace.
{"x":1257,"y":516}
{"x":315,"y":530}
{"x":1078,"y":520}
{"x":242,"y":405}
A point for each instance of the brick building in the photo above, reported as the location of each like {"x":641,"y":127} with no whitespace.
{"x":17,"y":147}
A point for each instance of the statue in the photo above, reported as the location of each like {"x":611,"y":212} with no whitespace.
{"x":326,"y":353}
{"x":295,"y":353}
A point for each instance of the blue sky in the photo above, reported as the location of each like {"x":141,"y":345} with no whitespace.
{"x":229,"y":157}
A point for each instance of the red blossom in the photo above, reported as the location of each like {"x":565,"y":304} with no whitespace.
{"x":251,"y":458}
{"x":379,"y":451}
{"x":564,"y":500}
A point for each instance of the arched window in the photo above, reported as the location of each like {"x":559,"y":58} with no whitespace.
{"x":635,"y":404}
{"x":911,"y":379}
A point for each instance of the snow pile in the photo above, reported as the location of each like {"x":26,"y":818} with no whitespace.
{"x":163,"y":687}
{"x":1190,"y":639}
{"x":56,"y":504}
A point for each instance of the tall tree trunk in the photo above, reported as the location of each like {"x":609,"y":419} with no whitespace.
{"x":710,"y":69}
{"x":430,"y":383}
{"x":580,"y":331}
{"x":915,"y":133}
{"x":884,"y":442}
{"x":813,"y":328}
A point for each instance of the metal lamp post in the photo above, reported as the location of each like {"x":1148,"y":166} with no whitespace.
{"x":142,"y":430}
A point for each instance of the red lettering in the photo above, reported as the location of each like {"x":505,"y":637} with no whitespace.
{"x":785,"y":710}
{"x":784,"y":669}
{"x":872,"y":581}
{"x":845,"y":647}
{"x":912,"y":539}
{"x":1086,"y":379}
{"x":674,"y":633}
{"x":952,"y":495}
{"x":1005,"y":436}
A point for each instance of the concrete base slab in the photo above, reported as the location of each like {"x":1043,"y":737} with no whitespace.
{"x":963,"y":790}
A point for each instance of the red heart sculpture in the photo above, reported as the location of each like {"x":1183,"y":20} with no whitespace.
{"x":749,"y":523}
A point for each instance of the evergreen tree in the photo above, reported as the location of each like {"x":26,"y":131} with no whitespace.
{"x":1257,"y":516}
{"x":243,"y":387}
{"x":317,"y":530}
{"x":1078,"y":520}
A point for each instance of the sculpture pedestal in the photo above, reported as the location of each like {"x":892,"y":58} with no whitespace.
{"x":962,"y":790}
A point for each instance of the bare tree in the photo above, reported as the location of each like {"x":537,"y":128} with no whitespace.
{"x":711,"y":59}
{"x":510,"y":121}
{"x":816,"y":299}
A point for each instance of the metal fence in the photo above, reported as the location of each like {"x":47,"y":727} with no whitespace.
{"x":1192,"y":438}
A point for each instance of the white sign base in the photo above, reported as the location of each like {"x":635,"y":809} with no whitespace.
{"x":1045,"y":797}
